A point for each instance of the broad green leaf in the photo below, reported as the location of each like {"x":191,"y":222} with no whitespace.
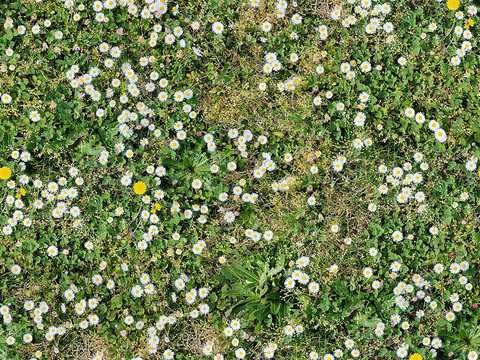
{"x":247,"y":275}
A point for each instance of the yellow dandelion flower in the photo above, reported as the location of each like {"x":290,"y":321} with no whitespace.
{"x":140,"y":188}
{"x":5,"y":173}
{"x":416,"y":356}
{"x":156,"y":207}
{"x":453,"y":4}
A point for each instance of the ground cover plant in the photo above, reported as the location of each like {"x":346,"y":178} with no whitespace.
{"x":239,"y":180}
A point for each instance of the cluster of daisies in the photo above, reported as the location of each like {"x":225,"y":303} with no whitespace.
{"x":242,"y":140}
{"x":267,"y":164}
{"x":273,"y":64}
{"x":190,"y":295}
{"x":37,"y":315}
{"x":471,"y":164}
{"x":433,"y":125}
{"x":153,"y":338}
{"x":145,"y":113}
{"x":169,"y":320}
{"x":60,"y":193}
{"x":289,"y":330}
{"x":436,"y":343}
{"x":360,"y":117}
{"x":256,"y":236}
{"x":298,"y":276}
{"x":155,"y":8}
{"x":158,"y":172}
{"x":283,"y":184}
{"x":84,"y":83}
{"x":230,"y":330}
{"x":269,"y":350}
{"x":405,"y":293}
{"x":363,"y":98}
{"x":338,"y":353}
{"x":464,"y":32}
{"x":410,"y":181}
{"x":138,"y":291}
{"x":85,"y":80}
{"x":347,"y":69}
{"x":146,"y":288}
{"x":458,"y":33}
{"x":377,"y":14}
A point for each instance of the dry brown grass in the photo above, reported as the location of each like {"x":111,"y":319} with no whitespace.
{"x":195,"y":337}
{"x":86,"y":348}
{"x":320,"y":8}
